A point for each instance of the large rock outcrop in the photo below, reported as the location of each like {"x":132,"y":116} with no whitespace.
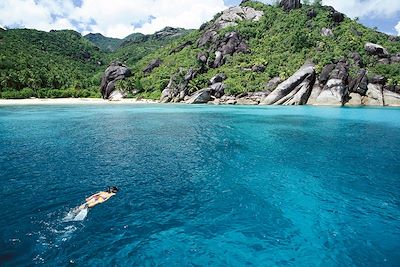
{"x":359,"y":85}
{"x":215,"y":91}
{"x":117,"y":95}
{"x":200,"y":97}
{"x":152,"y":65}
{"x":177,"y":88}
{"x":290,"y":4}
{"x":295,"y":90}
{"x":231,"y":43}
{"x":251,"y":98}
{"x":375,"y":49}
{"x":217,"y":86}
{"x":391,"y":98}
{"x":116,"y":71}
{"x":229,"y":17}
{"x":337,"y":17}
{"x":354,"y":100}
{"x":335,"y":81}
{"x":316,"y":90}
{"x":218,"y":48}
{"x":374,"y":96}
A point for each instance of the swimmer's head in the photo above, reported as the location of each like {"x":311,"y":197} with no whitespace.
{"x":112,"y":189}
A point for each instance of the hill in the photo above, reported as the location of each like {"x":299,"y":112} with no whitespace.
{"x":244,"y":51}
{"x":36,"y":63}
{"x":255,"y":43}
{"x":136,"y":46}
{"x":65,"y":64}
{"x":107,"y":44}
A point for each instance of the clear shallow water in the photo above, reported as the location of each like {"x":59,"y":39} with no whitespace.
{"x":201,"y":185}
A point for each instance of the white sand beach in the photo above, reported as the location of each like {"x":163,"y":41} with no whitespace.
{"x":72,"y":101}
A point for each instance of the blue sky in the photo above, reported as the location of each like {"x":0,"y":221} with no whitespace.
{"x":119,"y":18}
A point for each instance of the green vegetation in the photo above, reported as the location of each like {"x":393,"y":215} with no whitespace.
{"x":106,"y":44}
{"x":135,"y":46}
{"x":280,"y":41}
{"x":62,"y":63}
{"x":39,"y":64}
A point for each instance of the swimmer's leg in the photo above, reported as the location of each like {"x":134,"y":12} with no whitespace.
{"x":83,"y":206}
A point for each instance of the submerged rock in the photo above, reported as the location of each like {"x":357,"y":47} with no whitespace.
{"x":295,"y":90}
{"x":116,"y":71}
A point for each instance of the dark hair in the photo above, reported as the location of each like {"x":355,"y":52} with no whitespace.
{"x":112,"y":189}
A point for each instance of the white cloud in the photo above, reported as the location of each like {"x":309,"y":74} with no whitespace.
{"x":114,"y":19}
{"x":397,"y":27}
{"x":362,"y":8}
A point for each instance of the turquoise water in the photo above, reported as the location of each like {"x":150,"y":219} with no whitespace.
{"x":200,"y":186}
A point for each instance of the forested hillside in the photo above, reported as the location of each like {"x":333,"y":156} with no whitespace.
{"x":277,"y":44}
{"x":106,"y":44}
{"x":136,"y":46}
{"x":250,"y":45}
{"x":55,"y":64}
{"x":65,"y":64}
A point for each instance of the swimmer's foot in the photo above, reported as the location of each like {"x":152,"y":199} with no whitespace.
{"x":83,"y":206}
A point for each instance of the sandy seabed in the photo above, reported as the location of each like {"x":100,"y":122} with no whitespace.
{"x":71,"y":101}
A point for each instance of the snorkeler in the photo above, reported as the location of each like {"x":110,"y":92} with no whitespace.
{"x":99,"y":197}
{"x":80,"y":213}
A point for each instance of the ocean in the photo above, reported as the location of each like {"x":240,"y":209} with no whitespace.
{"x":200,"y":185}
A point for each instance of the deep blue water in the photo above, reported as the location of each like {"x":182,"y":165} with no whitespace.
{"x":200,"y":185}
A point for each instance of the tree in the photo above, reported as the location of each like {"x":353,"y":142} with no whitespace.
{"x":318,"y":2}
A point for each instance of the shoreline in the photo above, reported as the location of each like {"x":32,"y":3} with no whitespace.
{"x":72,"y":101}
{"x":135,"y":101}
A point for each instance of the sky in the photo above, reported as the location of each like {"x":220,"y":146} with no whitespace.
{"x":119,"y":18}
